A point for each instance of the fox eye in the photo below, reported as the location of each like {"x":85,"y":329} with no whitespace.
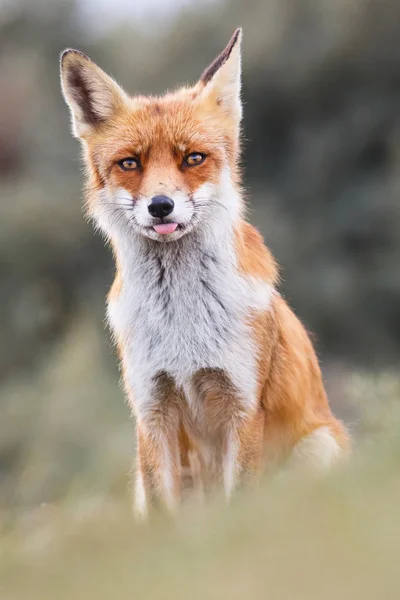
{"x":129,"y":164}
{"x":194,"y":159}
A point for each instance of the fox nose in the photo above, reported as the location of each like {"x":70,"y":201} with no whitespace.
{"x":160,"y":206}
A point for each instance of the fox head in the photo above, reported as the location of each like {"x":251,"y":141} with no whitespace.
{"x":159,"y":167}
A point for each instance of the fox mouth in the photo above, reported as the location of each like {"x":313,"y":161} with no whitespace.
{"x":166,"y":228}
{"x":166,"y":231}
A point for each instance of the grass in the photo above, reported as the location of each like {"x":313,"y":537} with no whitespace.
{"x":295,"y":538}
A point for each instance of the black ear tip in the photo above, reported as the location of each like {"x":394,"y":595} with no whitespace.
{"x":237,"y":36}
{"x":209,"y":73}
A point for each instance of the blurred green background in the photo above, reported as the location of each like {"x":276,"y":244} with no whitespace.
{"x":321,"y":87}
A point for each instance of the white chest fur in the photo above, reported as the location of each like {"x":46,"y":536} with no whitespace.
{"x":184,"y":306}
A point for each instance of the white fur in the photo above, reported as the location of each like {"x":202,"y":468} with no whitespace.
{"x":200,"y":320}
{"x":230,"y":465}
{"x":140,"y":496}
{"x":317,"y":451}
{"x":168,"y":476}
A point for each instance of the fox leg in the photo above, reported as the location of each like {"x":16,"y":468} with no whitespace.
{"x":242,"y":460}
{"x":158,"y":473}
{"x":158,"y":459}
{"x":236,"y":429}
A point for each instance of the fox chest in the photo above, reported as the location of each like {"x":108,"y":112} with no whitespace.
{"x":178,"y":319}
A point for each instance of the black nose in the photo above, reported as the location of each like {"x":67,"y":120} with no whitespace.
{"x":160,"y":206}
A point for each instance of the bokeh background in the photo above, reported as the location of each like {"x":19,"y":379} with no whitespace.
{"x":321,"y":87}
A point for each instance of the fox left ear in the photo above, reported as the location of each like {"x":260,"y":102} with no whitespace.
{"x":92,"y":96}
{"x":222,"y":79}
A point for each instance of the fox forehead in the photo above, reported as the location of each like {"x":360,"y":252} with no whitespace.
{"x":178,"y":122}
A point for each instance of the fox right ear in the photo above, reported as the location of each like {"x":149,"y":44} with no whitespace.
{"x":222,"y":79}
{"x":92,"y":96}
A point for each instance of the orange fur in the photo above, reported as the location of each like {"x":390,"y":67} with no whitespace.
{"x":291,"y":402}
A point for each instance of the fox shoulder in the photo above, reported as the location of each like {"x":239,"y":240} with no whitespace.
{"x":254,"y":258}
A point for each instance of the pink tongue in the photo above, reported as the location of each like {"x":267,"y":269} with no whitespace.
{"x":165,"y":228}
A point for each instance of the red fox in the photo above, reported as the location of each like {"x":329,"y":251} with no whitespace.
{"x":221,"y":376}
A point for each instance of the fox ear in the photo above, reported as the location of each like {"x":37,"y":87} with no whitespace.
{"x":222,"y":79}
{"x":92,"y":96}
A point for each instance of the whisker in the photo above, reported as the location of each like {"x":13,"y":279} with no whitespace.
{"x":111,"y":211}
{"x":110,"y":206}
{"x":122,"y":201}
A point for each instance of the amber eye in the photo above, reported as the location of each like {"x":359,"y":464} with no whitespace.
{"x":129,"y":164}
{"x":194,"y":159}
